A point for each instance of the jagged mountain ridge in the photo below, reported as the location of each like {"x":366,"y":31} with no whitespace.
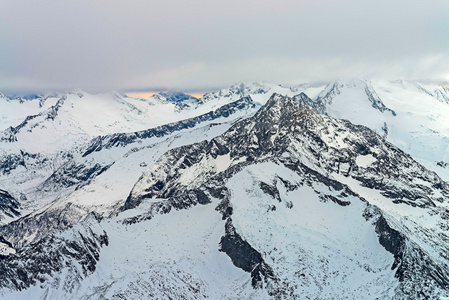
{"x":293,"y":183}
{"x":113,"y":159}
{"x":411,"y":115}
{"x":177,"y":97}
{"x":410,"y":252}
{"x":75,"y":250}
{"x":232,"y":230}
{"x":39,"y":146}
{"x":122,"y":139}
{"x":269,"y":124}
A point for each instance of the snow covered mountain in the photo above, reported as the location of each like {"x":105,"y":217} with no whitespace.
{"x":292,"y":175}
{"x":42,"y":137}
{"x":280,"y":203}
{"x":57,"y":129}
{"x":8,"y":206}
{"x":173,"y":96}
{"x":107,"y":168}
{"x":411,"y":115}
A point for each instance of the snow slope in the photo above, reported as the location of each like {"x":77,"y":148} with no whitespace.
{"x":34,"y":150}
{"x":411,"y":115}
{"x":99,"y":177}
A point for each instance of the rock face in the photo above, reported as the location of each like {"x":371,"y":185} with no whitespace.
{"x":74,"y":252}
{"x":394,"y":109}
{"x":358,"y":168}
{"x":123,"y":139}
{"x":285,"y":127}
{"x":245,"y":257}
{"x":8,"y":205}
{"x":79,"y":169}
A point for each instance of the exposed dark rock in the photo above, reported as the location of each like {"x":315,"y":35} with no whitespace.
{"x":442,"y":164}
{"x":334,"y":199}
{"x":10,"y":162}
{"x":375,"y":100}
{"x":19,"y":231}
{"x":392,"y":240}
{"x":123,"y":139}
{"x":409,"y":260}
{"x":2,"y":240}
{"x":8,"y":205}
{"x":72,"y":174}
{"x":177,"y":97}
{"x":270,"y":190}
{"x":38,"y":262}
{"x":244,"y":256}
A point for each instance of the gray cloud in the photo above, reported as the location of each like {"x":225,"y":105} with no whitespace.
{"x":103,"y":45}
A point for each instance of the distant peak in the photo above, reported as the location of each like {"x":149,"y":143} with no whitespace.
{"x":117,"y":95}
{"x":302,"y":97}
{"x":176,"y":96}
{"x":77,"y":92}
{"x":2,"y":96}
{"x":280,"y":107}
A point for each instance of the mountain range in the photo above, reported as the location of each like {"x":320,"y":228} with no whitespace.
{"x":258,"y":191}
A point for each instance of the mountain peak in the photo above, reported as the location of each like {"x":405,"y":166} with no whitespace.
{"x":175,"y":96}
{"x":77,"y":92}
{"x":2,"y":96}
{"x":282,"y":108}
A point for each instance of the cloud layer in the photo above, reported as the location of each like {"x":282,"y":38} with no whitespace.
{"x":103,"y":45}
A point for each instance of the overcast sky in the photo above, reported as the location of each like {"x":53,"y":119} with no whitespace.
{"x":106,"y":45}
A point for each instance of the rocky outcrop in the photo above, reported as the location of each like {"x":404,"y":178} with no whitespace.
{"x":76,"y":251}
{"x":123,"y":139}
{"x":8,"y":205}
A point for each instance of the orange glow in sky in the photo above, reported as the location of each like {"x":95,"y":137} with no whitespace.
{"x":141,"y":94}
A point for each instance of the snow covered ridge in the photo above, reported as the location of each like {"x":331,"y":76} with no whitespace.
{"x":276,"y":124}
{"x":285,"y":204}
{"x":175,"y":97}
{"x":411,"y":115}
{"x":58,"y":126}
{"x":75,"y":251}
{"x":262,"y":170}
{"x":122,"y":139}
{"x":73,"y":182}
{"x":41,"y":135}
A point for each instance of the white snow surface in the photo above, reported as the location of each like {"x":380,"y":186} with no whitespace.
{"x":174,"y":255}
{"x":83,"y":116}
{"x":420,"y":126}
{"x":365,"y":161}
{"x":6,"y":250}
{"x":320,"y":250}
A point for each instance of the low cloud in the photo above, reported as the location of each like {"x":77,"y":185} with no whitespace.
{"x":197,"y":45}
